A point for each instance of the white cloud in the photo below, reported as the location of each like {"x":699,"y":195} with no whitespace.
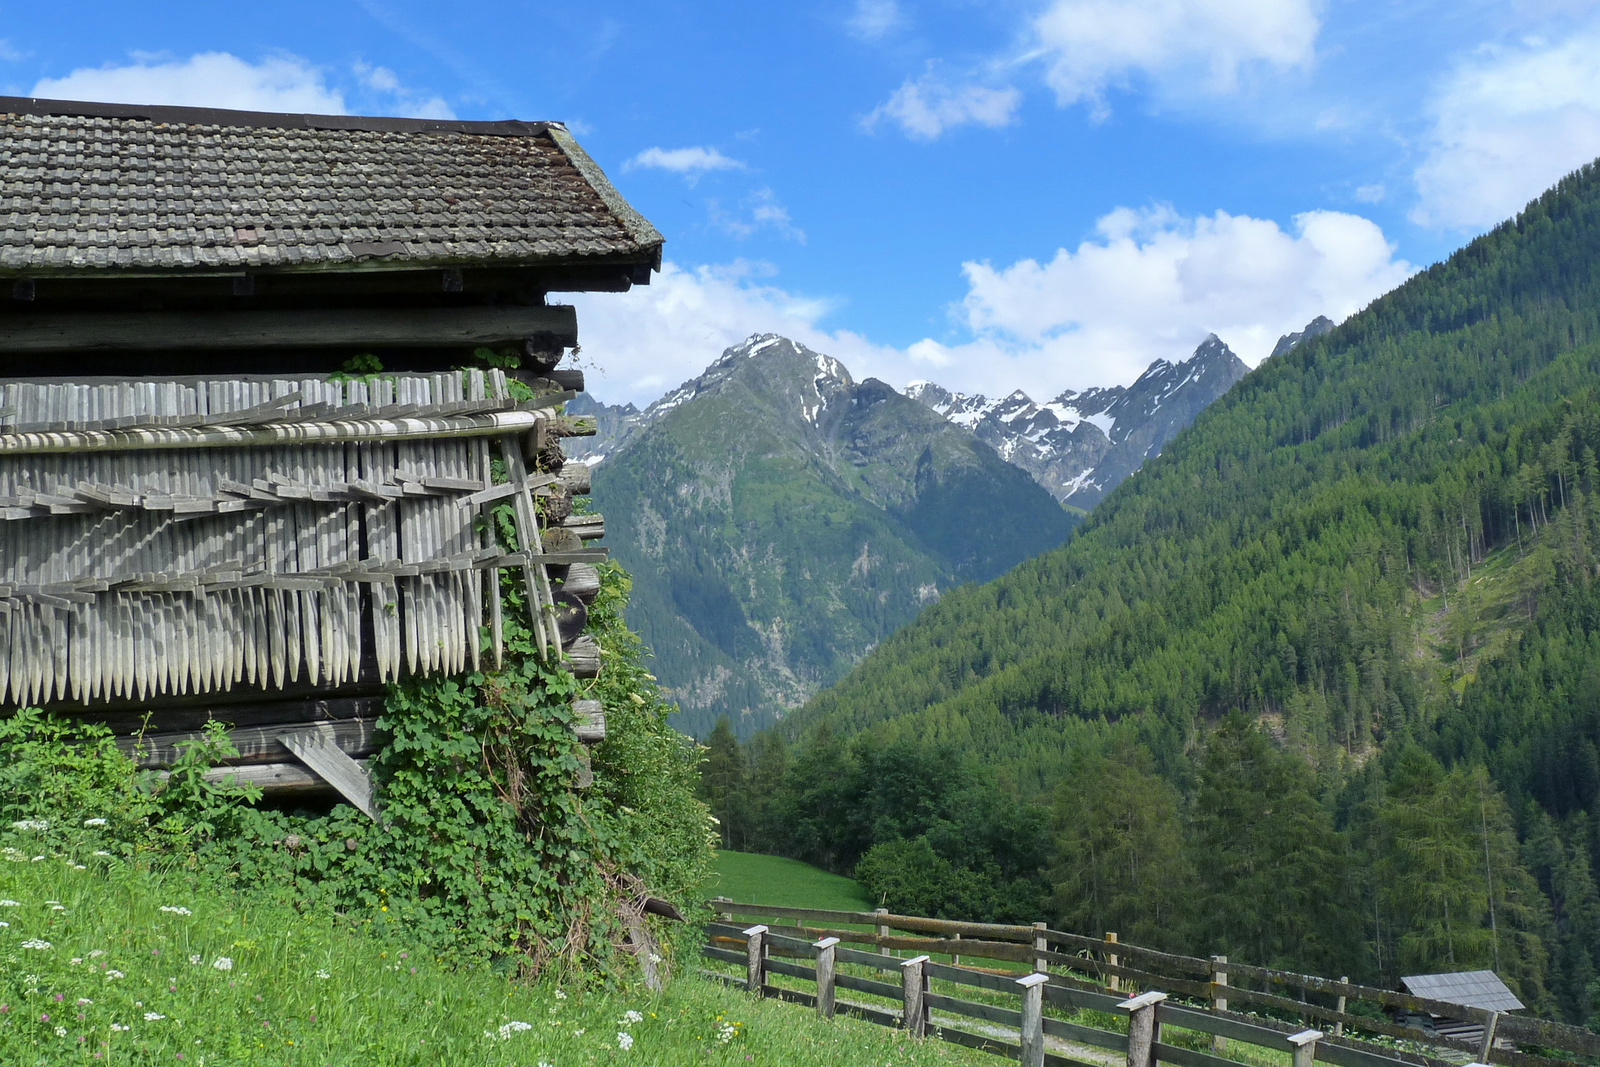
{"x":1149,"y":286}
{"x":925,"y":107}
{"x":1092,"y":45}
{"x":1371,"y":194}
{"x":760,"y":210}
{"x":690,"y":162}
{"x":641,"y":343}
{"x":874,"y":18}
{"x":208,"y":79}
{"x":219,"y":79}
{"x":1507,"y":124}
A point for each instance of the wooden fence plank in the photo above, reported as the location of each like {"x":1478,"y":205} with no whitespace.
{"x":867,"y":985}
{"x":316,"y":748}
{"x":972,"y":1009}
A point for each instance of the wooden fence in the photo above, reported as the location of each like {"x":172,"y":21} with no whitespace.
{"x":1072,"y":973}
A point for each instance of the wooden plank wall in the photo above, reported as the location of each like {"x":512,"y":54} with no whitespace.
{"x":140,"y":574}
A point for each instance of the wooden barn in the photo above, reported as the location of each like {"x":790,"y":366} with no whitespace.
{"x":201,"y":516}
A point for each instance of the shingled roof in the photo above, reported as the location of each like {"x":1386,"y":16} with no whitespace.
{"x":95,"y":189}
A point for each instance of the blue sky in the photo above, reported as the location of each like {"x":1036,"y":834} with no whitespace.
{"x":1044,"y":194}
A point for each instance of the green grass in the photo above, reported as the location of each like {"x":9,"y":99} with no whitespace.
{"x":97,"y":967}
{"x":754,"y":879}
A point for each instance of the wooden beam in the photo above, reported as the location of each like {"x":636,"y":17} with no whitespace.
{"x":315,"y":747}
{"x":304,"y":328}
{"x":591,"y":724}
{"x":257,"y":744}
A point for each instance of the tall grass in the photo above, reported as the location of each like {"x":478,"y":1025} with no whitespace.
{"x":104,"y":963}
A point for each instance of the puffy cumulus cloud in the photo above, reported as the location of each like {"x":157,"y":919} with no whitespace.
{"x":1152,"y":284}
{"x":641,"y":343}
{"x":1507,"y":124}
{"x":1091,"y":45}
{"x":219,"y":79}
{"x":926,"y":107}
{"x":208,"y":79}
{"x":690,"y":162}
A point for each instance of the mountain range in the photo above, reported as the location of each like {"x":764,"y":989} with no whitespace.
{"x":779,"y":519}
{"x":1081,"y":445}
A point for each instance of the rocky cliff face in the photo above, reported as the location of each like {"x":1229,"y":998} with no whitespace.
{"x":780,"y":518}
{"x":1079,"y":446}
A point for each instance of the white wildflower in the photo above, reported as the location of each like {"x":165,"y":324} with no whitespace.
{"x":79,"y":867}
{"x":195,"y":958}
{"x":31,"y":824}
{"x":512,"y":1027}
{"x":561,"y":994}
{"x":84,"y":1002}
{"x":75,"y":960}
{"x":10,"y":904}
{"x":101,"y":852}
{"x":57,"y":907}
{"x":94,"y":822}
{"x":34,"y":942}
{"x":153,"y":1016}
{"x":119,"y":1026}
{"x":180,"y":910}
{"x":624,"y":1040}
{"x":97,"y":952}
{"x":61,"y":1031}
{"x":4,"y":925}
{"x":546,"y":1063}
{"x":324,"y":974}
{"x":579,"y":1033}
{"x":223,"y":963}
{"x":632,"y":1017}
{"x":726,"y":1033}
{"x":37,"y":859}
{"x":654,"y":958}
{"x":112,"y":976}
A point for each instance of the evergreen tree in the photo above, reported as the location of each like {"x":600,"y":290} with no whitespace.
{"x":1119,"y":859}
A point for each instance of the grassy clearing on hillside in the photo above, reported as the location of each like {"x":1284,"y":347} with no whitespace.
{"x":103,"y":963}
{"x":755,"y":879}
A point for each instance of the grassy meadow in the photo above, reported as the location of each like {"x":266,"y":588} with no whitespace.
{"x":755,"y":879}
{"x":102,"y":963}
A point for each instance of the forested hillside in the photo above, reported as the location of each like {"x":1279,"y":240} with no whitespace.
{"x":1318,"y":686}
{"x":781,"y":518}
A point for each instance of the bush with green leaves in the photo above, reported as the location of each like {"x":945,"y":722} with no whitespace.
{"x":483,"y":847}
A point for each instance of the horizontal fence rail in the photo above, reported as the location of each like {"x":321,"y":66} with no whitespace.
{"x":1073,"y":973}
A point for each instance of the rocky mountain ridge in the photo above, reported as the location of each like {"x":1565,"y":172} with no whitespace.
{"x":780,"y":518}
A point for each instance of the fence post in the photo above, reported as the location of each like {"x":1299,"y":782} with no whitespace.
{"x":955,"y":957}
{"x":1032,"y":1019}
{"x":1113,"y":983}
{"x":1219,"y":977}
{"x":883,"y":931}
{"x":825,"y":967}
{"x":756,"y":948}
{"x":1143,"y":1029}
{"x":1338,"y":1028}
{"x":914,"y":994}
{"x":1040,"y":946}
{"x":1487,"y":1045}
{"x":1305,"y":1046}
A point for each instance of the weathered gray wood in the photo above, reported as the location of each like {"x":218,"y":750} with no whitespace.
{"x":591,"y":724}
{"x":582,"y":581}
{"x":755,"y":958}
{"x":1219,"y":1001}
{"x":1304,"y":1045}
{"x":914,"y":995}
{"x":577,"y":477}
{"x":264,"y":435}
{"x":1031,"y":1035}
{"x":881,"y":930}
{"x":314,"y":746}
{"x":1338,"y":1028}
{"x":587,"y":527}
{"x":1113,"y":983}
{"x":256,"y":744}
{"x":583,"y":657}
{"x":585,"y":776}
{"x":414,"y":327}
{"x":274,"y":779}
{"x":505,"y":489}
{"x":1486,"y":1046}
{"x":1143,"y":1028}
{"x":1041,"y":946}
{"x":825,"y":974}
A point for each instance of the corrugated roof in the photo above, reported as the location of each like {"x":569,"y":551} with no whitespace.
{"x":1473,"y":989}
{"x":86,"y":188}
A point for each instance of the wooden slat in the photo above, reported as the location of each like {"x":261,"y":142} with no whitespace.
{"x":867,"y":985}
{"x":256,"y":744}
{"x":1085,"y":1035}
{"x":315,"y":748}
{"x":971,"y":1009}
{"x":299,"y":328}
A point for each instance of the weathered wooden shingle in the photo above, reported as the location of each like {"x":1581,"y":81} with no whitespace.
{"x":92,"y":187}
{"x":1474,"y":989}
